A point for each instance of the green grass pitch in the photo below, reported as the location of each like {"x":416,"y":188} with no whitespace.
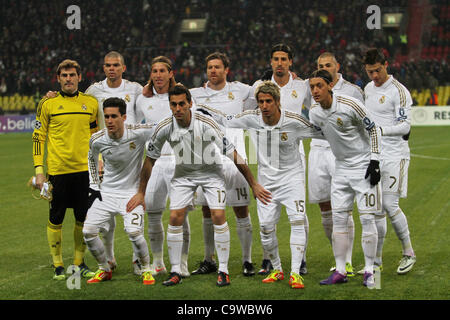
{"x":25,"y":265}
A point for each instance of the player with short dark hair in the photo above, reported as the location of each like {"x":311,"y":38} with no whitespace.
{"x":321,"y":159}
{"x":122,"y":147}
{"x":390,"y":104}
{"x":153,"y":109}
{"x":230,"y":98}
{"x":64,"y":124}
{"x":198,"y":143}
{"x":355,"y":141}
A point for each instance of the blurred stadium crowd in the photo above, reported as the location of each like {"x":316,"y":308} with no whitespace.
{"x":35,"y":38}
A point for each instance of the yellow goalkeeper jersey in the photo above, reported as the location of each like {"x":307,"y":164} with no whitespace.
{"x":65,"y":122}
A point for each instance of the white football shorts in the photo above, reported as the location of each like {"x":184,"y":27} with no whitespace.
{"x":345,"y":190}
{"x":101,"y":212}
{"x":394,"y":177}
{"x":291,"y":195}
{"x":238,"y":191}
{"x":321,"y":167}
{"x":182,"y":190}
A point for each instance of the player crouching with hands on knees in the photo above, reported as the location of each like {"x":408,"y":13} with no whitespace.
{"x":122,"y":147}
{"x":198,"y":143}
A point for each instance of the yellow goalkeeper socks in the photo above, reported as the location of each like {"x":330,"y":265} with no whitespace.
{"x":54,"y":237}
{"x":80,"y":245}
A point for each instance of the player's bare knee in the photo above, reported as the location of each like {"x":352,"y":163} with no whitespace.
{"x":325,"y":206}
{"x":241,"y":212}
{"x":206,"y":212}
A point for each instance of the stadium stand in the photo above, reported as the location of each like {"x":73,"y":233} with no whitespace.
{"x":35,"y":39}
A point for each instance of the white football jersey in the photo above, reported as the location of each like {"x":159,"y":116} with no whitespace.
{"x":344,"y":87}
{"x":293,"y":96}
{"x":122,"y":159}
{"x":232,"y":99}
{"x":353,"y":136}
{"x":198,"y":148}
{"x":390,"y":107}
{"x":154,"y":109}
{"x":127,"y":91}
{"x":277,"y":147}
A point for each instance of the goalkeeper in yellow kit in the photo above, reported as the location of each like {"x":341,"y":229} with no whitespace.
{"x":65,"y":123}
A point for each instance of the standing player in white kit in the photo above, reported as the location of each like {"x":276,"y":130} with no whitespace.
{"x":390,"y":104}
{"x":230,"y":98}
{"x":294,"y":94}
{"x":114,"y":85}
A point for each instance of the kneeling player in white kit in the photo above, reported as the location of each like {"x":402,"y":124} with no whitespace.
{"x":276,"y":133}
{"x":355,"y":142}
{"x":198,"y":143}
{"x":122,"y":147}
{"x":390,"y":104}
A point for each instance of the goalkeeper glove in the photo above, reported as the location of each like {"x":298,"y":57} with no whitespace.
{"x":93,"y":194}
{"x":374,"y":172}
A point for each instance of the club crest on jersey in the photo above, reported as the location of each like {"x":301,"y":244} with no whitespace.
{"x":84,"y":107}
{"x":230,"y":96}
{"x":339,"y":122}
{"x":150,"y":107}
{"x":294,"y":94}
{"x":284,"y":136}
{"x":382,"y":99}
{"x":132,"y":145}
{"x":127,"y":98}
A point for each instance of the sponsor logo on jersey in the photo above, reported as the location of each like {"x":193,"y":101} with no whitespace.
{"x":284,"y":136}
{"x":132,"y":145}
{"x":339,"y":122}
{"x":382,"y":99}
{"x":294,"y":94}
{"x":230,"y":96}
